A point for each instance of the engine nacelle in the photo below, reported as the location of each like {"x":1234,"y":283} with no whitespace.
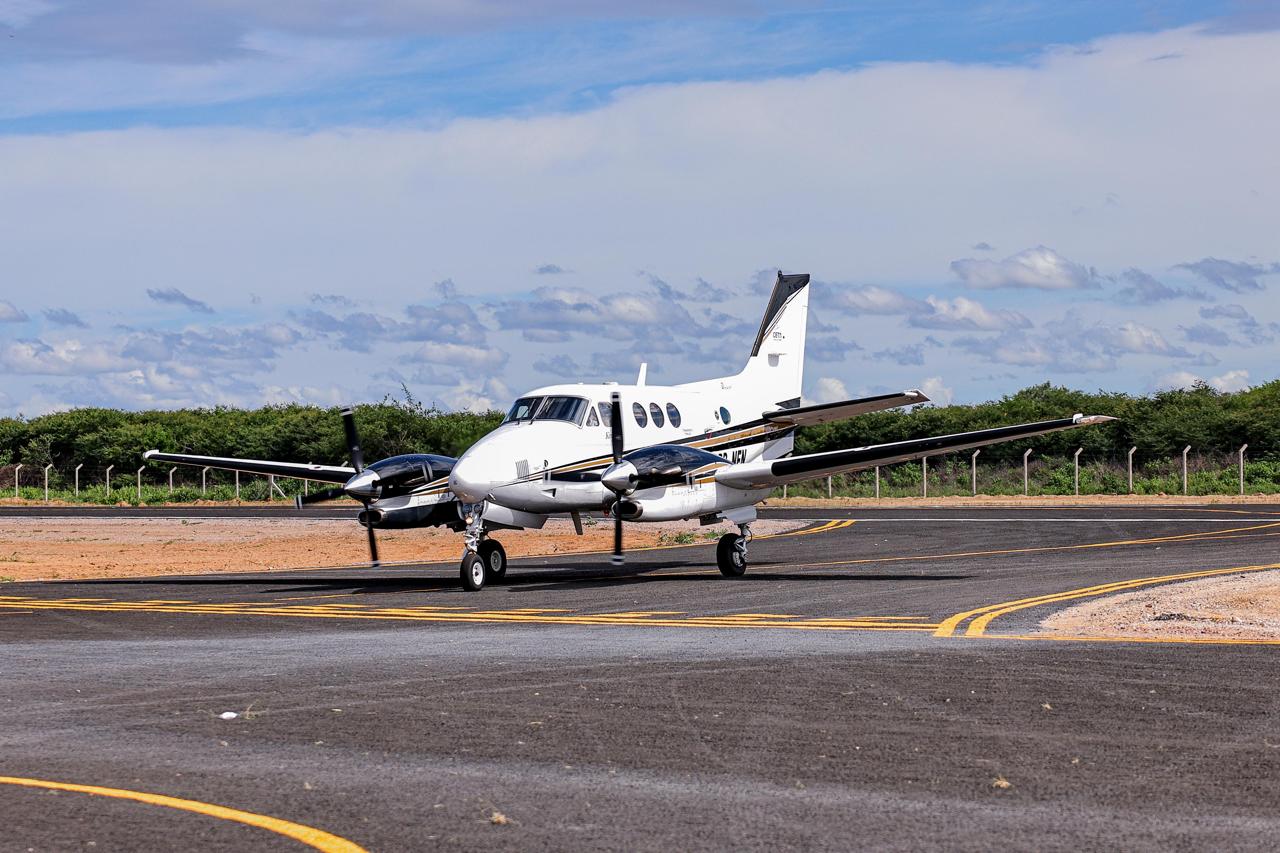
{"x":393,"y":518}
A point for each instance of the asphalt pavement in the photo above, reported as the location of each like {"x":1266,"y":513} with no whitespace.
{"x":878,"y":679}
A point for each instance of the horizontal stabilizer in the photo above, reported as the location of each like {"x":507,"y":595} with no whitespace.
{"x":300,"y":470}
{"x":766,"y":473}
{"x":827,"y":412}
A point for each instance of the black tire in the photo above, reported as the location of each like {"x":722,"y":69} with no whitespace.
{"x":473,"y":573}
{"x":495,"y":560}
{"x":730,"y":560}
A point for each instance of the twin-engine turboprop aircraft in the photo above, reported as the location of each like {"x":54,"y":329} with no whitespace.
{"x":709,"y":450}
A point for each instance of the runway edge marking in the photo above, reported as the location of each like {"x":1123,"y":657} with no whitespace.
{"x":308,"y":835}
{"x":982,"y":616}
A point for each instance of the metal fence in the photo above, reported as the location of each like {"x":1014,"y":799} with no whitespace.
{"x":1189,"y":473}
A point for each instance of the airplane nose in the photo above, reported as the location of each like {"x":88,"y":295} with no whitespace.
{"x":468,"y":482}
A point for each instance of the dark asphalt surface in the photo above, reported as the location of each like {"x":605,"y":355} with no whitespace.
{"x":658,"y":706}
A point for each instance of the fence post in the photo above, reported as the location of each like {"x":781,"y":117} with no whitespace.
{"x":16,"y":469}
{"x":306,"y":487}
{"x":1076,"y":480}
{"x":204,"y":482}
{"x":828,"y":486}
{"x":171,"y":470}
{"x":140,"y":470}
{"x":78,"y":467}
{"x":237,"y":485}
{"x":1026,"y":490}
{"x":973,"y":472}
{"x":1185,"y":451}
{"x":1243,"y":448}
{"x":1132,"y":450}
{"x":109,"y":467}
{"x":46,"y":482}
{"x":271,"y":486}
{"x":784,"y":491}
{"x":877,"y":482}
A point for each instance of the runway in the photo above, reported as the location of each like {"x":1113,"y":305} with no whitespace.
{"x":878,"y":679}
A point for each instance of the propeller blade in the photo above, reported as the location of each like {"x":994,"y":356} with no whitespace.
{"x":373,"y":544}
{"x":615,"y":424}
{"x":316,"y":497}
{"x":617,"y":558}
{"x":353,"y":439}
{"x":616,"y":439}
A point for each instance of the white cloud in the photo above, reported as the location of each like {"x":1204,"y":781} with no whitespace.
{"x":937,"y":392}
{"x":1040,"y":268}
{"x":962,"y":313}
{"x":868,"y":299}
{"x":830,"y":390}
{"x":1232,"y":380}
{"x":463,"y":356}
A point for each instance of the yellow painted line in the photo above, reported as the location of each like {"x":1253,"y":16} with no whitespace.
{"x":1042,"y":549}
{"x":771,"y":621}
{"x":310,"y":836}
{"x":984,"y":615}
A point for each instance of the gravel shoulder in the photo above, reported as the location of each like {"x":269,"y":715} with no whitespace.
{"x":81,"y":548}
{"x":1231,"y":607}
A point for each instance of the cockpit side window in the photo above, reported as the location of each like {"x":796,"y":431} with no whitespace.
{"x":569,"y":409}
{"x":606,"y":414}
{"x":523,"y":409}
{"x":592,"y":420}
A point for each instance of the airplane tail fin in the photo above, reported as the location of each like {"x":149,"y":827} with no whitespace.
{"x":776,"y":366}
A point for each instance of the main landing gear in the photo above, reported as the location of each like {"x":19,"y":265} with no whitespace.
{"x":484,"y":559}
{"x":731,"y":553}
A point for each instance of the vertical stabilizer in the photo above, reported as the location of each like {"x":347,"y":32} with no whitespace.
{"x":776,"y":366}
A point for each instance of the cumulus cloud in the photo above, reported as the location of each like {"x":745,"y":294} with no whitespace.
{"x":1254,"y":332}
{"x":937,"y":392}
{"x":174,"y":296}
{"x":1040,"y":268}
{"x":908,"y":355}
{"x":1203,"y":333}
{"x":1073,"y":345}
{"x":962,"y":313}
{"x":1229,"y":382}
{"x":462,"y":356}
{"x":63,"y":317}
{"x":10,"y":313}
{"x":1145,"y":289}
{"x":1235,"y":276}
{"x":828,"y":348}
{"x":550,"y":269}
{"x":828,"y":389}
{"x":866,"y":299}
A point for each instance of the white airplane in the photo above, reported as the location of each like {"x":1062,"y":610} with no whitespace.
{"x":710,"y":450}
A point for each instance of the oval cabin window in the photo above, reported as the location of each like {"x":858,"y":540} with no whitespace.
{"x":656,"y":413}
{"x":641,"y":418}
{"x":673,"y":414}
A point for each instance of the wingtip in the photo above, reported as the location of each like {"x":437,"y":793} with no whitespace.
{"x":917,"y":394}
{"x":1091,"y":420}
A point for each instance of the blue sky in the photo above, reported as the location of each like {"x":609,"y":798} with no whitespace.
{"x":235,"y":202}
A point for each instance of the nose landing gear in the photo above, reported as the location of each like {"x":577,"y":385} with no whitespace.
{"x":484,"y":560}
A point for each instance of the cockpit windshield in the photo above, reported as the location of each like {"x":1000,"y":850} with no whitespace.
{"x":523,"y":409}
{"x":569,"y":409}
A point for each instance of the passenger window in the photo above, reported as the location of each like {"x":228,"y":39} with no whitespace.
{"x":724,"y":415}
{"x":592,"y":420}
{"x":641,"y":417}
{"x":606,"y":414}
{"x":656,"y":412}
{"x":673,"y":414}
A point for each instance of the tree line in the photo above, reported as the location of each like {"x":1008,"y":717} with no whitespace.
{"x":1159,"y":425}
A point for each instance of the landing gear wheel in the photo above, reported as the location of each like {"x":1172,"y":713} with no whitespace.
{"x":729,"y":556}
{"x":495,"y":560}
{"x":473,"y":573}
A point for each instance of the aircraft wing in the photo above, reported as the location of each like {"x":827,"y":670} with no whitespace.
{"x":301,"y":470}
{"x":826,"y":412}
{"x":776,"y":472}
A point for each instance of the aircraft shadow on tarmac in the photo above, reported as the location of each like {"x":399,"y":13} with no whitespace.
{"x":521,"y":581}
